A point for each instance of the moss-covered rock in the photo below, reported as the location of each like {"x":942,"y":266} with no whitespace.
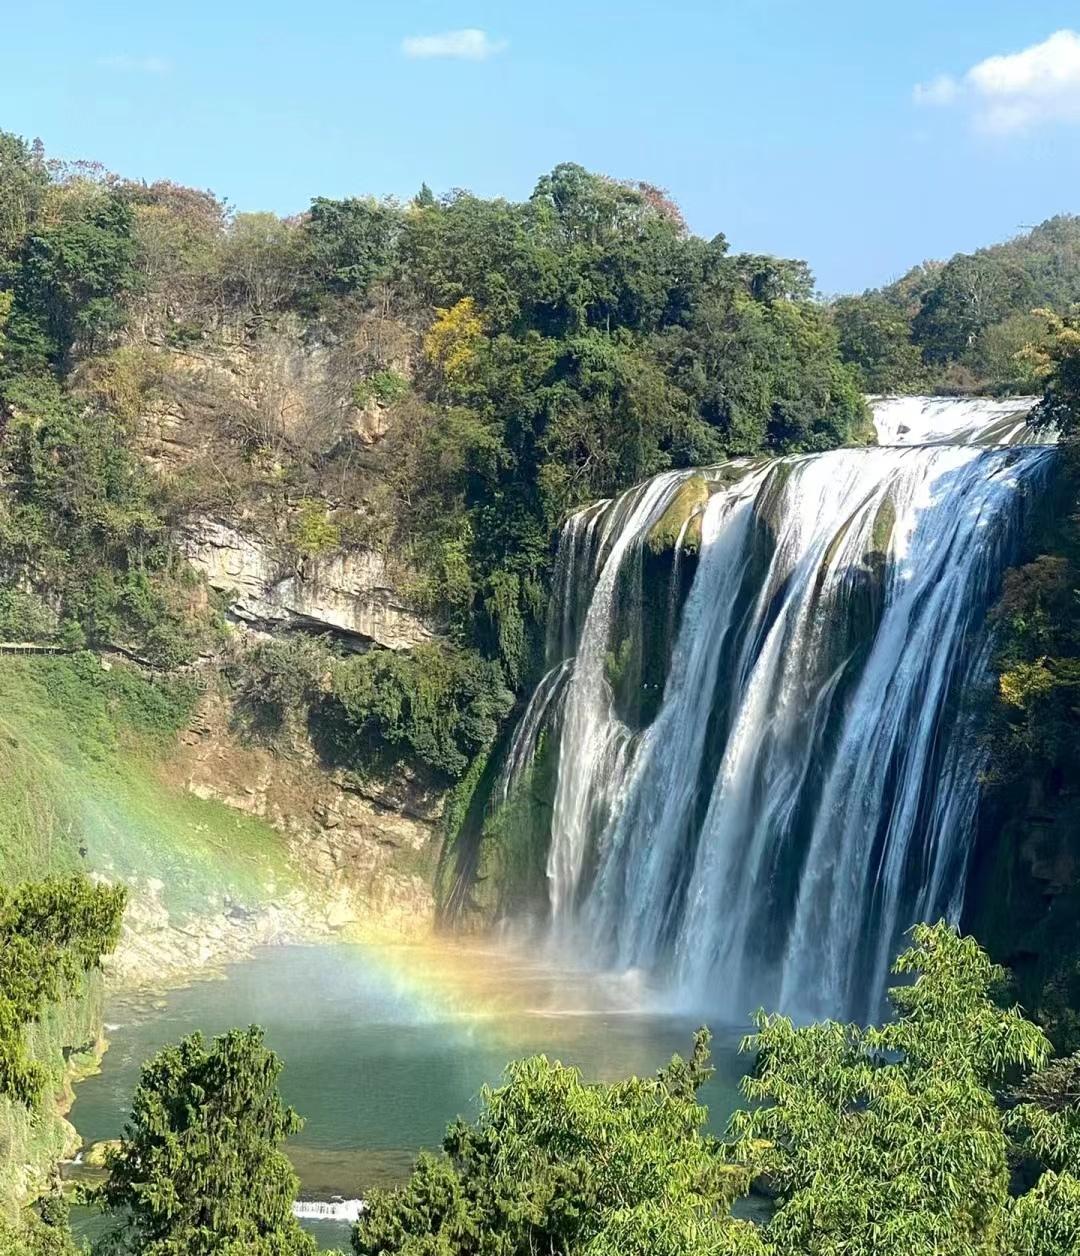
{"x":882,"y":529}
{"x":96,"y":1155}
{"x":684,"y":511}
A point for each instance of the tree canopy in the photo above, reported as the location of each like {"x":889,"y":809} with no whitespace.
{"x":516,"y":358}
{"x":967,"y":323}
{"x":200,"y":1170}
{"x":875,"y":1141}
{"x":52,"y":933}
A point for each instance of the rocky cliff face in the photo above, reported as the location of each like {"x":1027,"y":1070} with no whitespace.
{"x":370,"y":848}
{"x":1024,"y":897}
{"x":346,"y":592}
{"x":361,"y":856}
{"x":220,"y":424}
{"x":220,"y":419}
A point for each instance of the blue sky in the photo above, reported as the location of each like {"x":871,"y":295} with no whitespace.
{"x":861,"y":136}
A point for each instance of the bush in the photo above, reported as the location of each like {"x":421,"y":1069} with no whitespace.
{"x":440,"y":704}
{"x":25,"y":617}
{"x":560,"y":1166}
{"x":385,"y":387}
{"x":51,"y":934}
{"x":312,"y":531}
{"x":279,"y":680}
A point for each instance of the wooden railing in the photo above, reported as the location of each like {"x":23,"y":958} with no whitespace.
{"x":33,"y":647}
{"x":193,"y":672}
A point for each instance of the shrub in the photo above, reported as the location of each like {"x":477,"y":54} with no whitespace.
{"x":441,"y":704}
{"x":25,"y":617}
{"x":51,"y":934}
{"x":312,"y":531}
{"x":279,"y":680}
{"x":385,"y":387}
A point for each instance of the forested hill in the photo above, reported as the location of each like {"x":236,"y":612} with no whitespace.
{"x":967,"y":324}
{"x":435,"y":382}
{"x":431,"y":385}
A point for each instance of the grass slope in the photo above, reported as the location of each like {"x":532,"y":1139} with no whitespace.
{"x":84,"y":784}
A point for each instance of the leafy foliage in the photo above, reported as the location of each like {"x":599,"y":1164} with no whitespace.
{"x":889,"y":1140}
{"x":966,"y":323}
{"x":46,"y":1234}
{"x":314,"y":532}
{"x":873,"y":1141}
{"x":200,"y":1170}
{"x":559,"y":1166}
{"x":52,"y":933}
{"x":524,"y":357}
{"x":875,"y":336}
{"x":439,"y":705}
{"x":1034,"y":734}
{"x":280,"y":679}
{"x":350,"y":241}
{"x":385,"y":387}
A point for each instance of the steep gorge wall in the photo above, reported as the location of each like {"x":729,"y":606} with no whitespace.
{"x":371,"y":847}
{"x":1025,"y":897}
{"x":347,"y":592}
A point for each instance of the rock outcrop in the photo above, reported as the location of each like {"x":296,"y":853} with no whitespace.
{"x":346,"y":593}
{"x":368,"y":848}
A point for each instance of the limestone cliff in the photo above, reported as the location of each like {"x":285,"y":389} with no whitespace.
{"x":346,"y":592}
{"x":370,"y":848}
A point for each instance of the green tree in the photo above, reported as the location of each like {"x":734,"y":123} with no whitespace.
{"x":438,"y":704}
{"x":351,"y":241}
{"x":23,"y":180}
{"x":200,"y":1170}
{"x":43,"y":1231}
{"x":72,"y":279}
{"x":970,"y":292}
{"x":52,"y":933}
{"x":1006,"y":354}
{"x":887,"y":1141}
{"x":262,"y":266}
{"x":559,"y":1166}
{"x":1057,"y":364}
{"x":875,"y":337}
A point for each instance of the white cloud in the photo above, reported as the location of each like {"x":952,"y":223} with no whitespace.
{"x":1017,"y":91}
{"x":137,"y":65}
{"x":464,"y":45}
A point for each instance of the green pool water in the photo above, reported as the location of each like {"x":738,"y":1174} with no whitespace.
{"x":383,"y":1048}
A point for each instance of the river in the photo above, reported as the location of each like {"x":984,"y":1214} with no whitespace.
{"x":384,"y":1046}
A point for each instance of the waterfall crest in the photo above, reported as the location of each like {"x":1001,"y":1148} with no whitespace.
{"x":800,"y":791}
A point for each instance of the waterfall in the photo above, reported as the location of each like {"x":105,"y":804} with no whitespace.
{"x":805,"y":787}
{"x":955,"y":420}
{"x":344,"y":1210}
{"x":538,"y":716}
{"x":593,"y":744}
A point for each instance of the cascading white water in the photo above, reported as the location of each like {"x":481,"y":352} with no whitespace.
{"x":859,"y":772}
{"x":593,"y":743}
{"x":535,"y":719}
{"x":804,"y":791}
{"x":955,"y":421}
{"x":344,"y":1210}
